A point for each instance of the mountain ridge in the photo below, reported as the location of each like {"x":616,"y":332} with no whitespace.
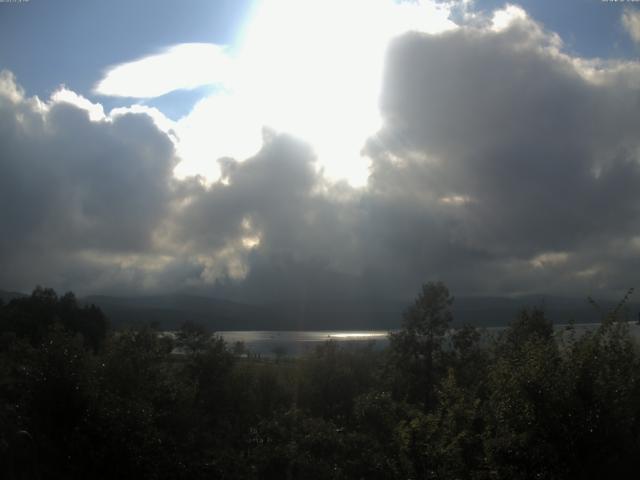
{"x":169,"y":311}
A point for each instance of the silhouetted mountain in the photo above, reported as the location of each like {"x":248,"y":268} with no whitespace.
{"x":170,"y":311}
{"x":6,"y":297}
{"x":338,"y":314}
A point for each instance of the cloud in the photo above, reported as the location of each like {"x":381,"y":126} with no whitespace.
{"x":9,"y":89}
{"x":184,"y":66}
{"x":504,"y":18}
{"x":631,"y":23}
{"x":289,"y":74}
{"x":76,"y":182}
{"x":318,"y":77}
{"x":94,"y":205}
{"x":545,"y":151}
{"x":95,"y":110}
{"x":222,"y":125}
{"x":502,"y":165}
{"x":272,"y":213}
{"x":159,"y":119}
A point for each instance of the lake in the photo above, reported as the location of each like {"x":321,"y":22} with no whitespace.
{"x":295,"y":343}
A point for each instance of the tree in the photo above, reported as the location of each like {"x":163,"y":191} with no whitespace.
{"x":192,"y":337}
{"x":530,"y":324}
{"x":32,"y":317}
{"x":417,"y":348}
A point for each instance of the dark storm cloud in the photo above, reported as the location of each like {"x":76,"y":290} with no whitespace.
{"x":71,"y":185}
{"x":512,"y":150}
{"x":277,"y":216}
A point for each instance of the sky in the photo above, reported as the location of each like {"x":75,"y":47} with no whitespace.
{"x":274,"y":149}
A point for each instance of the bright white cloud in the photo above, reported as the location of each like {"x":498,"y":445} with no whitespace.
{"x":159,"y":119}
{"x":631,"y":23}
{"x":505,"y":17}
{"x":549,"y":259}
{"x":455,"y":200}
{"x":218,"y":126}
{"x":184,"y":66}
{"x":9,"y":89}
{"x":95,"y":110}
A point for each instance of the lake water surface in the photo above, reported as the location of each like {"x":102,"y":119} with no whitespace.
{"x":295,"y":343}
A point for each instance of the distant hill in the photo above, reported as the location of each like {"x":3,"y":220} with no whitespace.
{"x":499,"y":311}
{"x":6,"y":296}
{"x":170,"y":311}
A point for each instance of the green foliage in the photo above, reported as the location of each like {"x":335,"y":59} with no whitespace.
{"x":192,"y":337}
{"x":437,"y":404}
{"x":32,"y":317}
{"x":447,"y":443}
{"x":417,"y":348}
{"x":530,"y":325}
{"x":331,"y":378}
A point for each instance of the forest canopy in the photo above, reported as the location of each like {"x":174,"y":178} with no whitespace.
{"x":80,"y":400}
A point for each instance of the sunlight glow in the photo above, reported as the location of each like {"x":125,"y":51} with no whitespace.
{"x":353,"y":335}
{"x":503,"y":18}
{"x":549,"y":259}
{"x":221,"y":125}
{"x":252,"y":237}
{"x":309,"y":68}
{"x":314,"y":69}
{"x":456,"y":200}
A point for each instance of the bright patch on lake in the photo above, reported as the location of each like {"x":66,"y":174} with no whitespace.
{"x":291,"y":343}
